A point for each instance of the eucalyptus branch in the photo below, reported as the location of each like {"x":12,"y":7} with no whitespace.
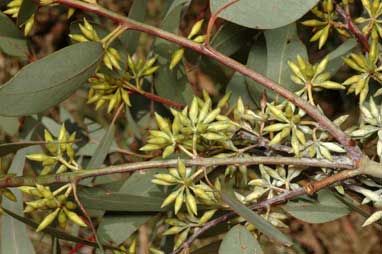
{"x":85,"y":212}
{"x":16,"y":181}
{"x":350,"y":26}
{"x":353,"y":150}
{"x":285,"y":196}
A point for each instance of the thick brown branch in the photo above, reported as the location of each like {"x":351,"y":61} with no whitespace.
{"x":15,"y":181}
{"x":324,"y":122}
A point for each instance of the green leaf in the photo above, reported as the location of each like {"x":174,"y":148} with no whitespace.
{"x":229,"y":38}
{"x":132,"y":124}
{"x":14,"y":147}
{"x":12,"y":41}
{"x":238,"y":86}
{"x":47,"y":82}
{"x":53,"y":231}
{"x":9,"y":124}
{"x":259,"y":222}
{"x":283,"y":45}
{"x":239,"y":241}
{"x":98,"y":198}
{"x":257,"y":60}
{"x":137,"y":13}
{"x":335,"y":57}
{"x":27,"y":9}
{"x":118,"y":228}
{"x":136,"y":194}
{"x":102,"y":148}
{"x":263,"y":14}
{"x":170,"y":23}
{"x":56,"y":248}
{"x":169,"y":84}
{"x":101,"y":152}
{"x":14,"y":235}
{"x":326,"y":208}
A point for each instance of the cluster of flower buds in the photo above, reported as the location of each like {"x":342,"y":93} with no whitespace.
{"x":183,"y":224}
{"x":371,"y":196}
{"x":111,"y":57}
{"x":14,"y":9}
{"x":271,"y":181}
{"x":286,"y":123}
{"x":55,"y":202}
{"x":105,"y":88}
{"x":138,"y":69}
{"x":326,"y":21}
{"x":312,"y":77}
{"x":373,"y":24}
{"x":368,"y":68}
{"x":186,"y":190}
{"x":60,"y":154}
{"x":371,"y":124}
{"x":177,"y":56}
{"x":194,"y":128}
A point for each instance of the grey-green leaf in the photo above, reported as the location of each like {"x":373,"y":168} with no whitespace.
{"x":229,"y":38}
{"x":136,"y":194}
{"x":259,"y":222}
{"x":257,"y":60}
{"x":14,"y":235}
{"x":239,"y":241}
{"x":335,"y":57}
{"x":53,"y":231}
{"x":118,"y":228}
{"x":9,"y":124}
{"x":47,"y":82}
{"x":263,"y":14}
{"x":326,"y":208}
{"x":12,"y":41}
{"x":27,"y":9}
{"x":8,"y":148}
{"x":130,"y":38}
{"x":283,"y":45}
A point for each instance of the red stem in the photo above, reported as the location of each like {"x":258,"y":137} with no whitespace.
{"x":159,"y":99}
{"x":213,"y":18}
{"x":352,"y":27}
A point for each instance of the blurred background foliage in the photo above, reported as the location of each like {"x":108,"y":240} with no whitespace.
{"x":266,"y":52}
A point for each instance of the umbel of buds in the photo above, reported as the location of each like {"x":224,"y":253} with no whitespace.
{"x":194,"y":128}
{"x":106,"y":88}
{"x":55,"y":203}
{"x":186,"y":190}
{"x":111,"y":58}
{"x":60,"y":154}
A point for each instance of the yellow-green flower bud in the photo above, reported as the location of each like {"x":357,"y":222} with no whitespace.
{"x":48,"y":220}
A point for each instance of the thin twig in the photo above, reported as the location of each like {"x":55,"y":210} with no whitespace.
{"x":117,"y":113}
{"x":156,"y":98}
{"x":213,"y":18}
{"x":85,"y":212}
{"x":352,"y":27}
